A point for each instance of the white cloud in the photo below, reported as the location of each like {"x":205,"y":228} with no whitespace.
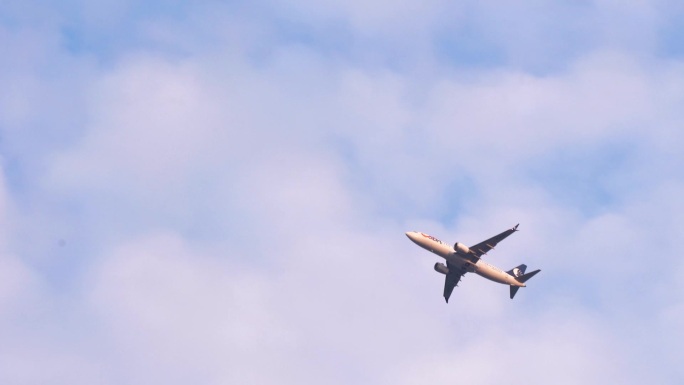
{"x":17,"y":281}
{"x":144,"y":125}
{"x":335,"y":290}
{"x":172,"y":314}
{"x":245,"y":217}
{"x":557,"y":350}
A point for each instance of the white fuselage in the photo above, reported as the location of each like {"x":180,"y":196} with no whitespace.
{"x":447,"y":252}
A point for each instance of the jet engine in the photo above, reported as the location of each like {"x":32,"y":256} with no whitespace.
{"x":461,"y":248}
{"x":440,"y":268}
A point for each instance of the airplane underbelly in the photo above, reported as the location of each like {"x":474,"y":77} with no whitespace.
{"x":460,"y":264}
{"x":455,"y":260}
{"x":491,"y":275}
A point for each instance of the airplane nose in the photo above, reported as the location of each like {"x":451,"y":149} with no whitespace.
{"x":413,"y":236}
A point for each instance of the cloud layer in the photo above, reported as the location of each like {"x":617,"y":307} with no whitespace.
{"x":217,"y":193}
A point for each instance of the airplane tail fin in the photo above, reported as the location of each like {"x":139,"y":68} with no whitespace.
{"x":522,"y":279}
{"x":517,"y":271}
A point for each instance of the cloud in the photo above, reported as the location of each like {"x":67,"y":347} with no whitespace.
{"x":233,"y":208}
{"x":576,"y":348}
{"x":165,"y":306}
{"x":16,"y":279}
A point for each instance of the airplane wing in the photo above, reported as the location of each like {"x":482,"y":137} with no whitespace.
{"x":483,"y":248}
{"x":451,"y":280}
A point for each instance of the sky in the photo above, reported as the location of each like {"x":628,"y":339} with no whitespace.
{"x":216,"y":192}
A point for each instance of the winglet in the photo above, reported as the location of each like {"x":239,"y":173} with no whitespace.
{"x":515,"y":228}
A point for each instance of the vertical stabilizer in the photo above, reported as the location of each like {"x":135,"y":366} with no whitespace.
{"x":517,"y":271}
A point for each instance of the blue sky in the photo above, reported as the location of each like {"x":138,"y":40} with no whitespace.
{"x":217,"y":192}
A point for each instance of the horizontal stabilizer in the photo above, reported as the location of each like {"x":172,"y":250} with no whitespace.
{"x":523,"y":278}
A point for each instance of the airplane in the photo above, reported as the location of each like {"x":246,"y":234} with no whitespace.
{"x":461,"y":259}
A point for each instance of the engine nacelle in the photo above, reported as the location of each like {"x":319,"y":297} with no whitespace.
{"x":461,"y":249}
{"x":441,"y":268}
